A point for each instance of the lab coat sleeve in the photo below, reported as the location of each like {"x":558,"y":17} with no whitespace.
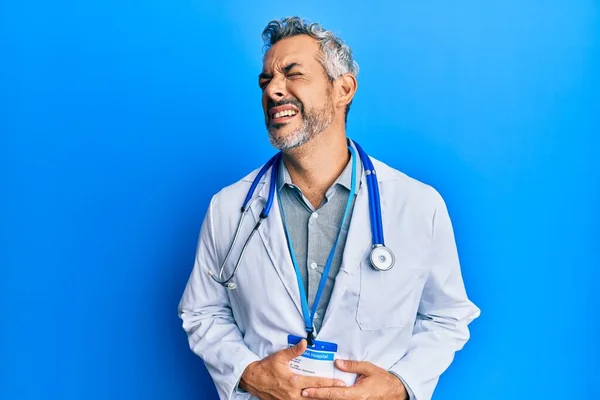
{"x":208,"y":321}
{"x":443,"y":315}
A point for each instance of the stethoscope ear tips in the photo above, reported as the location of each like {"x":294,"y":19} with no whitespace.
{"x":226,"y":285}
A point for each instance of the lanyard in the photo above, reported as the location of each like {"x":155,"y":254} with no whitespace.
{"x":308,"y":315}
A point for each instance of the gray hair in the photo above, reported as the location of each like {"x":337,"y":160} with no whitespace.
{"x":336,"y":56}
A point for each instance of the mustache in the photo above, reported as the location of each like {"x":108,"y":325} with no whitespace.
{"x":293,"y":101}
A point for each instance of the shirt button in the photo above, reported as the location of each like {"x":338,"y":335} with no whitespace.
{"x":313,"y":265}
{"x":315,"y":215}
{"x":317,"y":315}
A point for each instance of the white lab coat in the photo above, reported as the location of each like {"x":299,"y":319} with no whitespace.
{"x":409,"y":320}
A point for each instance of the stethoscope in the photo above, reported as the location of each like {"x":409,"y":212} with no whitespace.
{"x":381,"y":257}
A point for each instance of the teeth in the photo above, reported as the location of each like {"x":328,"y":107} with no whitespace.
{"x":284,"y":113}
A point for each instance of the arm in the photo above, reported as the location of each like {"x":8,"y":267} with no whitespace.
{"x":208,"y":321}
{"x":443,"y":315}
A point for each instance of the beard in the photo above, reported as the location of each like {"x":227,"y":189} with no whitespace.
{"x":314,"y":122}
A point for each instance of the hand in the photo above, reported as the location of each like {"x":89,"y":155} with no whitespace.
{"x":272,"y":377}
{"x":373,"y":383}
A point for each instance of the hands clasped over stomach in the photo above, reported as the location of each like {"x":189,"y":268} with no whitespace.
{"x":272,"y":378}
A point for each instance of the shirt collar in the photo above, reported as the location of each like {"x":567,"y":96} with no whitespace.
{"x":344,"y":180}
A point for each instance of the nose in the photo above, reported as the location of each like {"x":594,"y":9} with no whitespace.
{"x":276,"y":90}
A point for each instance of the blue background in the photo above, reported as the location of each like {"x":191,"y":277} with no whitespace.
{"x":119,"y":120}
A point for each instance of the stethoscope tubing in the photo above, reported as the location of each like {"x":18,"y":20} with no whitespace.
{"x":274,"y":163}
{"x":374,"y":199}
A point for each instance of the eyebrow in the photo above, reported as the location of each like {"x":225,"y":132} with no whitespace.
{"x":290,"y":66}
{"x":287,"y":68}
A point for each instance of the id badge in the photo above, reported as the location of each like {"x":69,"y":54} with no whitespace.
{"x":317,"y":360}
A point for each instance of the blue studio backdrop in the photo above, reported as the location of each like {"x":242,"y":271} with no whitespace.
{"x":120,"y":119}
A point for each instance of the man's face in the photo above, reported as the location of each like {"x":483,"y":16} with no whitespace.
{"x":296,"y":94}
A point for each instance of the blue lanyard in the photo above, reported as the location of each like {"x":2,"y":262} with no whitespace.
{"x":308,"y":315}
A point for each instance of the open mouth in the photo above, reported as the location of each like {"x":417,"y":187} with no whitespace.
{"x":283,"y":114}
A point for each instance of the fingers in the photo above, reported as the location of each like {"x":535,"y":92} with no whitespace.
{"x":357,"y":367}
{"x":294,"y":351}
{"x":328,"y":393}
{"x":315,"y":382}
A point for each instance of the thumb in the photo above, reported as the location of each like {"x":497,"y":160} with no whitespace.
{"x":294,"y":351}
{"x":357,"y":367}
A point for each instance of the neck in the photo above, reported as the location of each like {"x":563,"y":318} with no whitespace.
{"x":314,"y":166}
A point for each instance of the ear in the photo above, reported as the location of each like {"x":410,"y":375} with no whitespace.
{"x":345,"y":87}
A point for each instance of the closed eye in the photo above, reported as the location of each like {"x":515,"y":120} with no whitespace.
{"x":263,"y":84}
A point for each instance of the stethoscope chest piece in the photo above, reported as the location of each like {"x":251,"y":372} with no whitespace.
{"x":382,"y":258}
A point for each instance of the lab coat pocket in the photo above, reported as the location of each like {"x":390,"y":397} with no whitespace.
{"x":389,"y":299}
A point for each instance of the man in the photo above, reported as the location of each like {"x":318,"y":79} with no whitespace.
{"x":397,"y":330}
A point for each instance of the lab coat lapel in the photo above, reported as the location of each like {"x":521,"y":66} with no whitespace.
{"x":359,"y":232}
{"x":359,"y":241}
{"x":273,"y":238}
{"x":355,"y":250}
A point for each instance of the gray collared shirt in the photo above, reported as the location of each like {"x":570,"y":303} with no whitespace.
{"x":313,"y":231}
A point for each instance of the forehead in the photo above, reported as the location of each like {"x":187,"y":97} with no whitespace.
{"x":302,"y":49}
